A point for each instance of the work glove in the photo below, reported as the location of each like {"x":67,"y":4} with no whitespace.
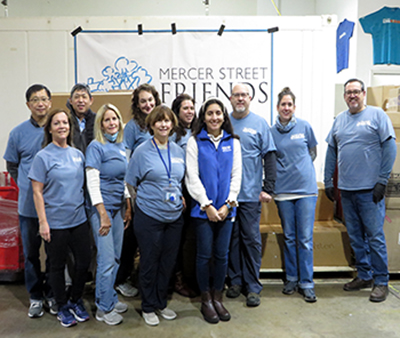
{"x":378,"y":193}
{"x":330,"y":193}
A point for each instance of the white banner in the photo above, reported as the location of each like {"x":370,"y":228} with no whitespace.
{"x":201,"y":64}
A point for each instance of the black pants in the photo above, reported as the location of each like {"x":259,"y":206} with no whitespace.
{"x":77,"y":239}
{"x":158,"y":246}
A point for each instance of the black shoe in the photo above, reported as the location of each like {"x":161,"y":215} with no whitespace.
{"x":289,"y":288}
{"x":379,"y":293}
{"x":253,"y":299}
{"x":357,"y":284}
{"x":309,"y":295}
{"x":234,"y":291}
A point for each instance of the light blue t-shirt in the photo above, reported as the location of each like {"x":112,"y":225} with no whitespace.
{"x":134,"y":135}
{"x":110,"y":160}
{"x":343,"y":34}
{"x":184,"y":139}
{"x":255,"y":140}
{"x":61,"y":170}
{"x":384,"y":26}
{"x":147,"y":172}
{"x":358,"y":139}
{"x":295,"y":173}
{"x":23,"y":144}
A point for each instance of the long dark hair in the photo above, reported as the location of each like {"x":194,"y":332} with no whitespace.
{"x":137,"y":114}
{"x":180,"y":129}
{"x":200,"y":124}
{"x":48,"y":138}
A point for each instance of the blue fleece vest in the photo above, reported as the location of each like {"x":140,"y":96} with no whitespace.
{"x":215,"y":168}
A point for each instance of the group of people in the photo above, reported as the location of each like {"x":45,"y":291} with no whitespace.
{"x":96,"y":191}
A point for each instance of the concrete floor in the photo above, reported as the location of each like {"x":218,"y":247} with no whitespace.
{"x":335,"y":314}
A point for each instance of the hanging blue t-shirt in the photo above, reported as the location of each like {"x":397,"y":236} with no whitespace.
{"x":358,"y":139}
{"x":343,"y":34}
{"x":147,"y":172}
{"x":62,"y":172}
{"x":384,"y":26}
{"x":110,"y":160}
{"x":23,"y":144}
{"x":295,"y":169}
{"x":256,"y":141}
{"x":134,"y":136}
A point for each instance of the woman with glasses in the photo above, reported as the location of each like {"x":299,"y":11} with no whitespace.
{"x":296,"y":194}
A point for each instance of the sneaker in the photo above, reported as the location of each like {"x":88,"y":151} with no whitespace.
{"x":127,"y":290}
{"x":357,"y":284}
{"x":253,"y":299}
{"x":120,"y":307}
{"x":167,"y":314}
{"x":78,"y":311}
{"x":289,"y":288}
{"x":309,"y":295}
{"x":234,"y":291}
{"x":51,"y":305}
{"x":110,"y":318}
{"x":36,"y":309}
{"x":379,"y":293}
{"x":65,"y":316}
{"x":151,"y":318}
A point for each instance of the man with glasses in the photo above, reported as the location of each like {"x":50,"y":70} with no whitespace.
{"x":24,"y":142}
{"x":362,"y":140}
{"x":258,"y":151}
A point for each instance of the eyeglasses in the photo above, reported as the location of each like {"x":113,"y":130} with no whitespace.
{"x":353,"y":92}
{"x":237,"y":95}
{"x":36,"y":100}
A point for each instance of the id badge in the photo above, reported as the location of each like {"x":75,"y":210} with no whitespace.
{"x":170,"y":194}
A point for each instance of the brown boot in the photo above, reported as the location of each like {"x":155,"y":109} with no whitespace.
{"x":207,"y":308}
{"x":223,"y":313}
{"x":182,"y":288}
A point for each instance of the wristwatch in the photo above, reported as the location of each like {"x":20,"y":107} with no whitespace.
{"x":228,"y":206}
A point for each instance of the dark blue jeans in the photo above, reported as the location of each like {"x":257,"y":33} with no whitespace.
{"x":364,"y":223}
{"x":36,"y":283}
{"x":213,"y":240}
{"x":245,"y":250}
{"x":158,"y":246}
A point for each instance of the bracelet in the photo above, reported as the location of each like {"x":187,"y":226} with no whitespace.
{"x":228,"y":206}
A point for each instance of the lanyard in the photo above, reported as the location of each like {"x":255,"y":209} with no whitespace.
{"x":169,"y":161}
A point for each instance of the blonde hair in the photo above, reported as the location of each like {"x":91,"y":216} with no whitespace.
{"x":98,"y":132}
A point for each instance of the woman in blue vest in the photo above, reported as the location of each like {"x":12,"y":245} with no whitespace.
{"x":213,"y":178}
{"x":57,"y":176}
{"x":296,"y":194}
{"x":156,"y":171}
{"x":105,"y":171}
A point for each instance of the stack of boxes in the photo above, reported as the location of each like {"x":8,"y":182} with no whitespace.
{"x":388,"y":98}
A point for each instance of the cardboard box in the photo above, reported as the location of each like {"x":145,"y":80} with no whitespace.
{"x":120,"y":99}
{"x":392,"y":235}
{"x":331,"y":246}
{"x":379,"y":96}
{"x":394,"y":100}
{"x":393,"y":186}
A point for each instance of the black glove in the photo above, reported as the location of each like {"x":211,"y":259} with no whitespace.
{"x":378,"y":193}
{"x":330,"y":193}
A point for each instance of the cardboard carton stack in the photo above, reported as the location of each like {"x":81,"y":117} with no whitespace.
{"x":388,"y":98}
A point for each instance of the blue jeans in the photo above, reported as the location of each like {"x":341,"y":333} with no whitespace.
{"x":36,"y":284}
{"x":364,"y":222}
{"x":297,"y":218}
{"x":213,"y":240}
{"x":245,"y":248}
{"x":108,"y":257}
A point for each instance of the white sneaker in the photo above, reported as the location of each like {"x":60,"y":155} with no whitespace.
{"x":111,"y":318}
{"x":120,"y":307}
{"x":127,"y":290}
{"x":36,"y":309}
{"x":150,"y":318}
{"x":167,"y":314}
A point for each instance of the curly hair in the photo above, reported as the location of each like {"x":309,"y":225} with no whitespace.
{"x":138,"y":116}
